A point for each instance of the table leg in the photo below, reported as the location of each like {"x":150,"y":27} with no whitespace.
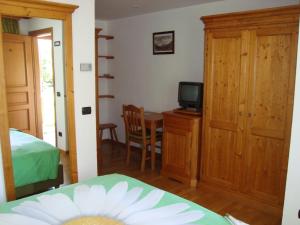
{"x":153,"y":142}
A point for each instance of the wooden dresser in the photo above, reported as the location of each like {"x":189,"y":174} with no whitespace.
{"x":250,"y":64}
{"x":181,"y":144}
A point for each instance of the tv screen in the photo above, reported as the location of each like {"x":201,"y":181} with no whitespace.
{"x":190,"y":95}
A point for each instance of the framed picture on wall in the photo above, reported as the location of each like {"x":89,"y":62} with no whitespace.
{"x":164,"y":42}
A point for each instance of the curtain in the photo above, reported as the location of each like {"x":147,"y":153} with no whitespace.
{"x":10,"y":25}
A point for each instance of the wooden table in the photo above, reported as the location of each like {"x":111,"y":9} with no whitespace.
{"x":153,"y":121}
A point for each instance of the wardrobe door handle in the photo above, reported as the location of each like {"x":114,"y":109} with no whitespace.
{"x":238,"y":153}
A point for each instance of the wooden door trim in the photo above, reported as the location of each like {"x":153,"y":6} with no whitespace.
{"x":36,"y":8}
{"x":38,"y":104}
{"x":50,"y":10}
{"x":39,"y":117}
{"x":41,"y":31}
{"x":4,"y":134}
{"x":253,"y":19}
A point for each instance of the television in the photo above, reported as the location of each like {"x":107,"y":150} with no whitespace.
{"x":190,"y":95}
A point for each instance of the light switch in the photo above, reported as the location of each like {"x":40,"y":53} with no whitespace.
{"x":85,"y":67}
{"x":86,"y":110}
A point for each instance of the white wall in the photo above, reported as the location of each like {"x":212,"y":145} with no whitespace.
{"x":292,"y":196}
{"x":37,"y":24}
{"x":84,"y":86}
{"x":152,"y":80}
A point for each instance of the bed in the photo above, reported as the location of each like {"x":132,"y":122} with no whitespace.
{"x":114,"y":203}
{"x":35,"y":164}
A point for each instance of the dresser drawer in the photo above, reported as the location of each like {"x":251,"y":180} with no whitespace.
{"x":181,"y":123}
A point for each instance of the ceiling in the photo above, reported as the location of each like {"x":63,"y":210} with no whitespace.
{"x":114,"y":9}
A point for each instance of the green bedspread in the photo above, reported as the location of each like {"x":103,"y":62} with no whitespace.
{"x":33,"y":159}
{"x":109,"y":181}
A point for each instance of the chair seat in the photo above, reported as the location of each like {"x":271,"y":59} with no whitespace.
{"x":138,"y":135}
{"x":112,"y":128}
{"x":104,"y":126}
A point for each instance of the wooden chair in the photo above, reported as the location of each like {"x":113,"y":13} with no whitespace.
{"x":136,"y":131}
{"x":112,"y":129}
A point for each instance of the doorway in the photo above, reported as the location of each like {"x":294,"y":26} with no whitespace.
{"x":46,"y":85}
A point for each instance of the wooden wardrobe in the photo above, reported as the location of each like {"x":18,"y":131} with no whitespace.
{"x":250,"y":66}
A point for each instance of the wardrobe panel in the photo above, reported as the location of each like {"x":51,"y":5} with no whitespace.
{"x":269,"y":91}
{"x":221,"y":166}
{"x":265,"y":166}
{"x":221,"y":153}
{"x":225,"y":77}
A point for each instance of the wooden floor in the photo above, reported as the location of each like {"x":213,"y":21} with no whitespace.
{"x":214,"y":199}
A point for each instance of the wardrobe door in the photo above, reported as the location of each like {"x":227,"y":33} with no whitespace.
{"x":270,"y":101}
{"x":225,"y":68}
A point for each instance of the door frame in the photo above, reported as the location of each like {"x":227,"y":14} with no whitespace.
{"x":37,"y":76}
{"x":49,"y":10}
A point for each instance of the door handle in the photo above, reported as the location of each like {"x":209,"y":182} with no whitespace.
{"x":239,"y":153}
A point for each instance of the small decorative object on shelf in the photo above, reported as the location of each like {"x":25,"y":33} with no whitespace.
{"x":106,"y":96}
{"x":106,"y":37}
{"x":106,"y":56}
{"x":106,"y":76}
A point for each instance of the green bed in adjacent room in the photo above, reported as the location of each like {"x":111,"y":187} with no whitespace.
{"x":111,"y":197}
{"x":34,"y":160}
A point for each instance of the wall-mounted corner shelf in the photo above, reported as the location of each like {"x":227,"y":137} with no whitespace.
{"x":106,"y":96}
{"x":106,"y":76}
{"x":106,"y":37}
{"x":106,"y":56}
{"x":100,"y":38}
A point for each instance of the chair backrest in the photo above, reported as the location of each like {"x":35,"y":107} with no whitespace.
{"x":134,"y":120}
